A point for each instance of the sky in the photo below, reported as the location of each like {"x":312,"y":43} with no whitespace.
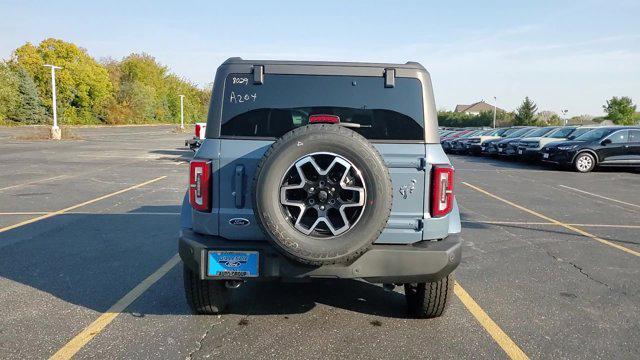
{"x":571,"y":55}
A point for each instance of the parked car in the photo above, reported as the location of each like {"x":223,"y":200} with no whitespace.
{"x":457,"y":145}
{"x":474,"y":144}
{"x":529,"y":148}
{"x":462,"y":145}
{"x":604,"y":146}
{"x":510,"y":147}
{"x":446,"y":141}
{"x":490,"y":147}
{"x":195,"y":142}
{"x":320,"y":170}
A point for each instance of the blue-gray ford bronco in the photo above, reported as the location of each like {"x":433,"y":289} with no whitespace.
{"x":320,"y":170}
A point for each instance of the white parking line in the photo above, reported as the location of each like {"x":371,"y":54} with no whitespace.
{"x":548,"y":223}
{"x":34,"y":182}
{"x":599,"y":196}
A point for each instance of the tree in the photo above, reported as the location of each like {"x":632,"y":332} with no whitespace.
{"x":460,"y":119}
{"x":83,"y":87}
{"x":546,"y":118}
{"x":147,"y":92}
{"x":9,"y":92}
{"x":19,"y":101}
{"x":620,"y":110}
{"x":525,"y":113}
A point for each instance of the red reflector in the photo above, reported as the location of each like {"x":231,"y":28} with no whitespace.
{"x":200,"y":185}
{"x":321,"y":118}
{"x":198,"y":130}
{"x":441,"y":190}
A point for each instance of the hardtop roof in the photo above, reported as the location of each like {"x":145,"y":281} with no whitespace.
{"x":407,"y":65}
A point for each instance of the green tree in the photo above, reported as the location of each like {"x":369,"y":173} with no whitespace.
{"x":29,"y":109}
{"x":620,"y":110}
{"x":19,"y":101}
{"x":460,"y":119}
{"x":9,"y":91}
{"x":147,"y":92}
{"x":83,"y":87}
{"x":525,"y":113}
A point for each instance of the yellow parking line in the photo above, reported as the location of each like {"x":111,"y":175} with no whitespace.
{"x":80,"y":340}
{"x":567,"y":226}
{"x":61,"y":211}
{"x":505,"y":342}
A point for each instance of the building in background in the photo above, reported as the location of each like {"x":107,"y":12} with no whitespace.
{"x":476,"y":108}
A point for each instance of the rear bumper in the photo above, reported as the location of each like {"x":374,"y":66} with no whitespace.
{"x":425,"y":261}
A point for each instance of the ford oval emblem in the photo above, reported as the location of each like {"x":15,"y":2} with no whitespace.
{"x":239,"y":222}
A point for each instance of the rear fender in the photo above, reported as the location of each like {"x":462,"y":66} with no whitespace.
{"x":454,"y":219}
{"x":186,"y":220}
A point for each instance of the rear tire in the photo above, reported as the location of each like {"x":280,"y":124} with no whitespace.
{"x":584,"y":162}
{"x":204,"y":296}
{"x":428,"y":300}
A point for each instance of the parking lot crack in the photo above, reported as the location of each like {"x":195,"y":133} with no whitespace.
{"x":589,"y":276}
{"x":580,"y":269}
{"x":201,"y":340}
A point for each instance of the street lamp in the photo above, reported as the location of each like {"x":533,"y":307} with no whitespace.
{"x":564,"y":114}
{"x":55,"y":130}
{"x":181,"y":111}
{"x":494,"y":111}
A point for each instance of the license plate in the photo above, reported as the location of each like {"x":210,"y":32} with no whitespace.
{"x":233,"y":264}
{"x":499,"y":149}
{"x":545,"y":155}
{"x":519,"y":152}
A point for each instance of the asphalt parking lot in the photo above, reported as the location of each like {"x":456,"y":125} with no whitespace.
{"x":88,"y":266}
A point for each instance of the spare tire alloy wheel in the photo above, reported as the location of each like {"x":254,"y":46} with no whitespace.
{"x":323,"y":201}
{"x":322,"y":194}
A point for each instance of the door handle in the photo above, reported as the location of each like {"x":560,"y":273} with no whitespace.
{"x":239,"y":188}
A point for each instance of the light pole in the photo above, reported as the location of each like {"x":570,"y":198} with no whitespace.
{"x":55,"y":130}
{"x":181,"y":112}
{"x":494,"y":111}
{"x":564,"y":114}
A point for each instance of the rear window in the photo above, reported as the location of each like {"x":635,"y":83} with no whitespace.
{"x":284,"y":102}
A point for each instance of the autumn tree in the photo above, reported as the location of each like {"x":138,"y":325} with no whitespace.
{"x":83,"y":86}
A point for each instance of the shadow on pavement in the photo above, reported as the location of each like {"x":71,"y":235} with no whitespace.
{"x":92,"y":260}
{"x":281,"y":298}
{"x":183,"y":154}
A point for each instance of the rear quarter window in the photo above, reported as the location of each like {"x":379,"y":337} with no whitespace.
{"x":284,"y":102}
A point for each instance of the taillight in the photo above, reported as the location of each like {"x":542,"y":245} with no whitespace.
{"x":441,"y":190}
{"x":321,"y":118}
{"x":198,"y":127}
{"x":200,"y":185}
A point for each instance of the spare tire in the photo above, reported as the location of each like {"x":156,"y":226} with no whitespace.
{"x":322,"y":194}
